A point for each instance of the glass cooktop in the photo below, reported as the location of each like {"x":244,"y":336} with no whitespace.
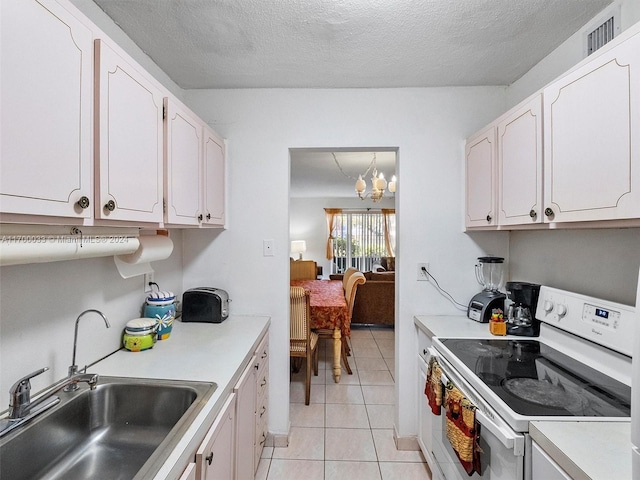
{"x":534,"y":379}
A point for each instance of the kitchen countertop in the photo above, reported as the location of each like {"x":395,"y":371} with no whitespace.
{"x":587,"y":450}
{"x":195,"y":352}
{"x":452,"y":326}
{"x":570,"y":444}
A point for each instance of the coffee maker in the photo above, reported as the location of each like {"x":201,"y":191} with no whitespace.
{"x":489,"y":273}
{"x":522,"y":300}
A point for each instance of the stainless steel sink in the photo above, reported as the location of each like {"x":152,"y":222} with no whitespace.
{"x":123,"y":429}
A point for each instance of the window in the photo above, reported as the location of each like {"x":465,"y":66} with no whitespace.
{"x":359,"y":240}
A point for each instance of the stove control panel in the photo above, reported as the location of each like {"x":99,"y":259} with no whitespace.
{"x":602,"y":317}
{"x":607,"y":323}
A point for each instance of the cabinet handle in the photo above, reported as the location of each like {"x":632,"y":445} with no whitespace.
{"x":208,"y":216}
{"x":264,"y":409}
{"x":110,"y":206}
{"x":264,"y":438}
{"x":533,"y":213}
{"x":264,"y":382}
{"x":209,"y":458}
{"x":264,"y":355}
{"x":83,"y":202}
{"x":488,"y":218}
{"x":424,"y":351}
{"x":200,"y":217}
{"x":257,"y":366}
{"x":548,"y":212}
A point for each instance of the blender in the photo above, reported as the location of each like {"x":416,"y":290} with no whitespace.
{"x":522,"y":300}
{"x":489,"y":273}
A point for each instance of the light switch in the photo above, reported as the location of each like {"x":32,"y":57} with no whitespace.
{"x":267,"y":248}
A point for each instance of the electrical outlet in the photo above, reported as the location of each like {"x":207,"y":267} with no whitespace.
{"x":423,"y":268}
{"x":148,"y":279}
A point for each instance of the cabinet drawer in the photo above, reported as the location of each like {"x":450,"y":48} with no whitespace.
{"x":424,"y":342}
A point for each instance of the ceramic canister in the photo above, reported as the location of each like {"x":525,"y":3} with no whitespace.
{"x":139,"y":334}
{"x":161,"y":306}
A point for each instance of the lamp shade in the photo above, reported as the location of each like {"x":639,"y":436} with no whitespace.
{"x":298,"y":246}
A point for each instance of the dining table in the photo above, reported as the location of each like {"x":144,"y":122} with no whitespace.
{"x":329,"y":312}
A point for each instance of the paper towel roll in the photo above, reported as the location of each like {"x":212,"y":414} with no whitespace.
{"x":24,"y":249}
{"x":152,"y":248}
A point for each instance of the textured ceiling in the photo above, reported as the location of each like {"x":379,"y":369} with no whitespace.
{"x":348,"y":43}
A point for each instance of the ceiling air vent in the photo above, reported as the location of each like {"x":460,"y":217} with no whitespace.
{"x":603,"y":30}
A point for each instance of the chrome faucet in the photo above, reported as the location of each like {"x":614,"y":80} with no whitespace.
{"x":21,"y":408}
{"x":73,"y":369}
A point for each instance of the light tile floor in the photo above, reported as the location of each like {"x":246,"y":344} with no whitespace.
{"x":347,"y":430}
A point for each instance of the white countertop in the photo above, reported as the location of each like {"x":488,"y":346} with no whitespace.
{"x":587,"y":450}
{"x":570,"y":444}
{"x":196,"y":352}
{"x":452,"y":326}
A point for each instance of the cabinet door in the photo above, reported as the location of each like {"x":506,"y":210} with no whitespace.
{"x":246,"y":392}
{"x":425,"y":417}
{"x":183,"y":165}
{"x":480,"y":155}
{"x":128,"y":139}
{"x":215,"y":457}
{"x":543,"y":467}
{"x":214,"y":155}
{"x":520,"y":165}
{"x":592,"y":136}
{"x":45,"y":130}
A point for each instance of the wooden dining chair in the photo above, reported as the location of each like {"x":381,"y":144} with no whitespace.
{"x":303,"y":343}
{"x":346,"y":276}
{"x":355,"y":279}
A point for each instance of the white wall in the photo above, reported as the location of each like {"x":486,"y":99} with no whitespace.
{"x":39,"y":304}
{"x":308,"y":222}
{"x":428,"y":126}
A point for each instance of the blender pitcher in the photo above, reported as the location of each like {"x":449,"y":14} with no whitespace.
{"x":490,"y":273}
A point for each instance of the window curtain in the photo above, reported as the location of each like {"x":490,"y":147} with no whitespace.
{"x":389,"y":215}
{"x":331,"y":217}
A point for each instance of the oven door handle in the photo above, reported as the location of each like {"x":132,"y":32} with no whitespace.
{"x":506,"y":437}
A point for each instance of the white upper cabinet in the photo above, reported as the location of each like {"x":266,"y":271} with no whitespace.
{"x":129,"y":139}
{"x":194,"y":169}
{"x":183,"y":164}
{"x":592,"y":139}
{"x":520,"y":164}
{"x":214,"y":175}
{"x":46,"y":95}
{"x":480,"y":156}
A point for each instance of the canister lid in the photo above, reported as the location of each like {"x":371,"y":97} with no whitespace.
{"x":161,"y":298}
{"x":140,"y":324}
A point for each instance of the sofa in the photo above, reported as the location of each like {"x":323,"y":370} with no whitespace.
{"x":375,"y":300}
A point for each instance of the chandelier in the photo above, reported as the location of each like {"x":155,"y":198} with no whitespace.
{"x":378,"y":182}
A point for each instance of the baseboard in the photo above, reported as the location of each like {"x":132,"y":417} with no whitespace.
{"x":408,"y":443}
{"x":277,"y":439}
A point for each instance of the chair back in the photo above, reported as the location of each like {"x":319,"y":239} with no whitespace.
{"x":350,"y":293}
{"x":303,"y":270}
{"x":347,"y":274}
{"x":299,"y":330}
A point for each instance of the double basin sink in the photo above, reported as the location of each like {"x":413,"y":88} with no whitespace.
{"x":123,"y":429}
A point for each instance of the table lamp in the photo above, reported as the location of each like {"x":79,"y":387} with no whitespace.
{"x":298,"y":246}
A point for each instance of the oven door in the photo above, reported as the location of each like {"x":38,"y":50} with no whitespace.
{"x":503,"y":449}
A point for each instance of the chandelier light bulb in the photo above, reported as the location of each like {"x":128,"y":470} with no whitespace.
{"x":361,"y":185}
{"x":392,"y":184}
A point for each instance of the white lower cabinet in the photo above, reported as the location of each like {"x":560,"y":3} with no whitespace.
{"x":251,"y":419}
{"x":189,"y":472}
{"x":425,"y":416}
{"x":245,"y":391}
{"x":543,"y":467}
{"x":215,"y":459}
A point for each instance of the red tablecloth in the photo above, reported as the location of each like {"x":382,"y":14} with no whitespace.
{"x":328,"y":304}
